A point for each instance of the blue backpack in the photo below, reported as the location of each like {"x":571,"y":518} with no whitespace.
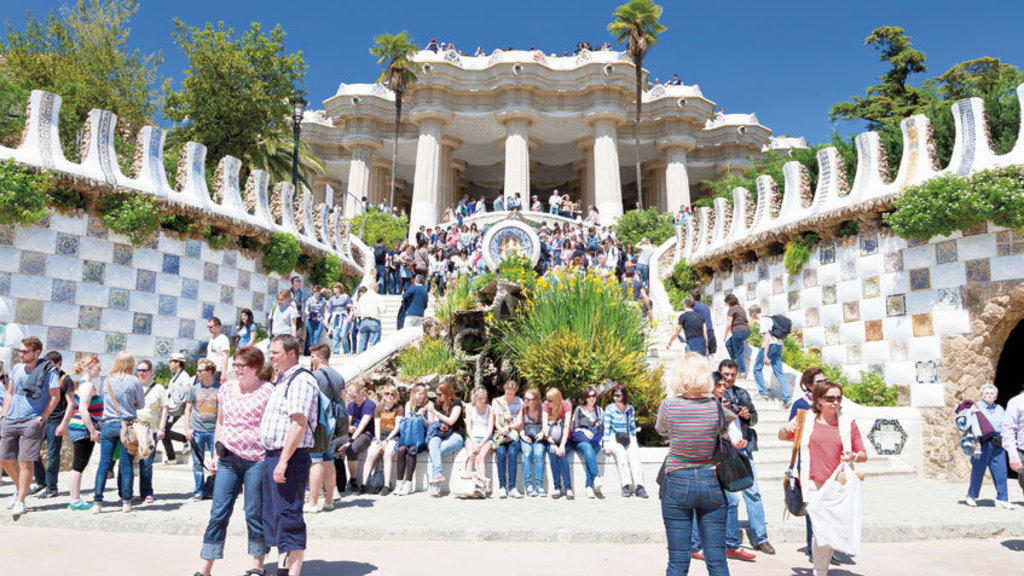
{"x":412,"y":432}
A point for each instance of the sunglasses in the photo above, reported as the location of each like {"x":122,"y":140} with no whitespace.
{"x":143,"y":369}
{"x":832,"y":399}
{"x":23,"y":350}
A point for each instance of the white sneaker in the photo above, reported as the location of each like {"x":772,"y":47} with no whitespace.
{"x":970,"y":502}
{"x":97,"y":507}
{"x":311,"y":509}
{"x":126,"y":507}
{"x":598,"y":483}
{"x":515,"y":493}
{"x":502,"y":493}
{"x":17,"y":510}
{"x":590,"y":492}
{"x":328,"y":507}
{"x":13,"y":501}
{"x":1006,"y":505}
{"x":410,"y":488}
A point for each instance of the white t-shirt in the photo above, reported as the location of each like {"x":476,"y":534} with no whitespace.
{"x":218,"y":350}
{"x":765,"y":322}
{"x":555,"y":200}
{"x":281,"y":320}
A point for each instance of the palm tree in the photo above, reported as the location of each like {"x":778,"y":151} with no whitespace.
{"x":636,"y":24}
{"x":395,"y":53}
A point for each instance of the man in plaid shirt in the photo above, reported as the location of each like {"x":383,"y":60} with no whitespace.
{"x":286,"y":432}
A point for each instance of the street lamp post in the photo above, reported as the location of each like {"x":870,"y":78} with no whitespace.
{"x":298,"y":108}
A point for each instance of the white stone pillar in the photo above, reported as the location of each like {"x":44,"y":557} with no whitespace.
{"x":517,"y":159}
{"x":426,"y":181}
{"x":380,"y":180}
{"x":358,"y":179}
{"x":677,"y":179}
{"x":607,"y":185}
{"x":654,"y":185}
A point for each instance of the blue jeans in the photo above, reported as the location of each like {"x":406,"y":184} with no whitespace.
{"x":533,"y":464}
{"x":507,"y":456}
{"x":645,"y":273}
{"x":561,"y":476}
{"x":369,"y":334}
{"x":339,"y":335}
{"x":47,"y":476}
{"x":204,"y":443}
{"x":693,"y":496}
{"x":994,"y":460}
{"x":553,"y":209}
{"x":314,"y":329}
{"x":232,"y":474}
{"x":732,"y":525}
{"x":698,"y":345}
{"x":755,"y":509}
{"x":734,"y":346}
{"x":588,"y":448}
{"x":382,"y":277}
{"x":775,"y":357}
{"x":437,"y":448}
{"x":110,"y":438}
{"x":146,"y":473}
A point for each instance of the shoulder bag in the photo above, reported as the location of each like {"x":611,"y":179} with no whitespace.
{"x":791,"y":489}
{"x":733,"y":469}
{"x":136,"y":435}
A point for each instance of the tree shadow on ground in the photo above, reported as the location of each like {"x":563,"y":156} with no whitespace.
{"x":1015,"y":545}
{"x":331,"y":568}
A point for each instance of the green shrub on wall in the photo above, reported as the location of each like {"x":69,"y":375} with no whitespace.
{"x":679,"y":285}
{"x":638,"y":224}
{"x":22,"y":194}
{"x":281,"y":254}
{"x":177,"y":223}
{"x":519,"y":269}
{"x":949,"y":203}
{"x":380,"y":225}
{"x":798,"y":252}
{"x":67,"y":199}
{"x":135,"y":216}
{"x":326,"y":271}
{"x":215,"y":237}
{"x":431,"y":356}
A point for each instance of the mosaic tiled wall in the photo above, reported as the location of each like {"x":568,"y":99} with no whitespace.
{"x":83,"y":289}
{"x":876,"y":302}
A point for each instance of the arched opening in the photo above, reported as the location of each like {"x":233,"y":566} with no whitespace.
{"x":1011,"y":365}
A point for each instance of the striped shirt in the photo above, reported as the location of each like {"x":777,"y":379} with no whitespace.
{"x":692,"y":427}
{"x":621,"y":421}
{"x":76,"y":427}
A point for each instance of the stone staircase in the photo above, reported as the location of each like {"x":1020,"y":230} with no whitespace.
{"x":772,"y":457}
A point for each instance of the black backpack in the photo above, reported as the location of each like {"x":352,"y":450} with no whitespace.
{"x":379,"y":253}
{"x":781,"y":327}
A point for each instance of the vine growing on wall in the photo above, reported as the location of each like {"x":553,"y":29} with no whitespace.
{"x":137,"y":217}
{"x":798,"y":252}
{"x":281,"y":254}
{"x":326,"y":271}
{"x":22,"y":194}
{"x":682,"y":281}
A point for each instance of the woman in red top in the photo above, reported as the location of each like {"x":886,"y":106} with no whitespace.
{"x":825,"y":450}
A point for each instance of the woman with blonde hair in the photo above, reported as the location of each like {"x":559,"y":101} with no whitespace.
{"x":122,"y":397}
{"x":83,"y":429}
{"x":386,"y":417}
{"x":444,"y":434}
{"x":689,"y":418}
{"x":558,"y":413}
{"x":480,"y":423}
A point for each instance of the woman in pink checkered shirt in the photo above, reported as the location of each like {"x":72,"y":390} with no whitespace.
{"x":238,"y":460}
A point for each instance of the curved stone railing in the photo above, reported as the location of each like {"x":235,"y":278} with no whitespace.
{"x":488,"y":218}
{"x":732,"y":229}
{"x":258,"y":210}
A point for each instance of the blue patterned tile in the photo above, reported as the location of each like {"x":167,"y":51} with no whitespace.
{"x":67,"y":245}
{"x":32,"y":263}
{"x":117,"y":299}
{"x":227,"y":295}
{"x":231,"y":258}
{"x":89,"y":317}
{"x":167,"y":306}
{"x":115,"y":343}
{"x":6,"y":235}
{"x":257,"y":303}
{"x":827,"y":254}
{"x":762,"y":270}
{"x":5,"y":283}
{"x":171,"y":264}
{"x":210,"y":272}
{"x":93,"y":272}
{"x":63,"y":291}
{"x":189,"y":289}
{"x":925,"y":372}
{"x":207,"y":311}
{"x":152,"y":241}
{"x":145,"y":281}
{"x":193,"y":249}
{"x":123,"y":254}
{"x":920,"y":279}
{"x":868,"y":244}
{"x":945,"y":252}
{"x":978,"y":270}
{"x":3,"y":331}
{"x":58,"y":338}
{"x":244,"y":280}
{"x":142,"y":324}
{"x":187,"y":328}
{"x":95,"y":228}
{"x":164,"y":347}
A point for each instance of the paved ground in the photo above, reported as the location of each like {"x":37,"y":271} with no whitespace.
{"x":160,"y":554}
{"x":894,"y":511}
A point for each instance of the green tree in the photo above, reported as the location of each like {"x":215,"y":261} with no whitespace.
{"x":235,"y":98}
{"x":892,"y":96}
{"x":395,"y":53}
{"x":13,"y":99}
{"x":636,"y":24}
{"x":79,"y":53}
{"x":381,"y":225}
{"x":635,"y":225}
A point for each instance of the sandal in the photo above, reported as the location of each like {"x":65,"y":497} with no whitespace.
{"x":255,"y":572}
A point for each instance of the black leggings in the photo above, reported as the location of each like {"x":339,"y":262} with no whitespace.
{"x":83,"y":451}
{"x":172,"y":435}
{"x":406,"y":463}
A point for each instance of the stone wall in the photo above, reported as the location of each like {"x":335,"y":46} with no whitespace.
{"x":83,"y":289}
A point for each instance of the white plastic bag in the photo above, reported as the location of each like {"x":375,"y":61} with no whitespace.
{"x":836,"y":511}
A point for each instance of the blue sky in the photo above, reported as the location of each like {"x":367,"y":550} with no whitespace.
{"x":786,"y":61}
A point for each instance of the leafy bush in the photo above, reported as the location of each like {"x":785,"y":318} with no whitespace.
{"x":646,"y":395}
{"x":798,"y":252}
{"x":135,"y":216}
{"x":460,"y":295}
{"x":575,"y":332}
{"x":871,"y":390}
{"x":177,"y":223}
{"x":849,"y":228}
{"x":215,"y":237}
{"x":281,"y":254}
{"x":637,"y":224}
{"x":249,"y":243}
{"x":67,"y":199}
{"x":948,"y":203}
{"x":326,"y":271}
{"x":22,"y":194}
{"x":380,"y":225}
{"x":519,"y":269}
{"x":682,"y":281}
{"x":431,"y":356}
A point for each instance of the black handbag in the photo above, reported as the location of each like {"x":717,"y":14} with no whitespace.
{"x":792,"y":491}
{"x":733,"y":469}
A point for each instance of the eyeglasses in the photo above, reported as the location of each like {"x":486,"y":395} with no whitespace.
{"x":832,"y":399}
{"x":238,"y":366}
{"x":143,"y":369}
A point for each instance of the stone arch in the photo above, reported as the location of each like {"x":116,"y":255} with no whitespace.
{"x":968,"y":362}
{"x":1010,"y":365}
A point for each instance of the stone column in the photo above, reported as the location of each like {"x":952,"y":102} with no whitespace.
{"x":427,"y":179}
{"x":586,"y":169}
{"x":654,"y":185}
{"x":358,"y":178}
{"x":517,"y":153}
{"x":447,"y":185}
{"x":607,"y":185}
{"x":677,"y":180}
{"x":380,"y":179}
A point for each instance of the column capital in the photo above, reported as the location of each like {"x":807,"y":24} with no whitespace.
{"x":380,"y":162}
{"x":457,"y":164}
{"x":353,"y":142}
{"x":655,"y":164}
{"x":508,"y":114}
{"x":593,"y":116}
{"x":421,"y":115}
{"x":585,"y":143}
{"x":684,"y":142}
{"x":532,"y":143}
{"x":450,"y":142}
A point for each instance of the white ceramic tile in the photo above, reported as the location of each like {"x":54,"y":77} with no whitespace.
{"x":63,"y":315}
{"x":64,"y":267}
{"x":117,"y":321}
{"x":120,"y":277}
{"x":35,"y":239}
{"x":10,"y":259}
{"x":974,"y":247}
{"x":948,"y":275}
{"x":949,"y":322}
{"x":875,"y":352}
{"x":95,"y":249}
{"x":851,"y":332}
{"x":924,"y":395}
{"x":900,"y":373}
{"x":924,"y":348}
{"x":92,"y":341}
{"x":1007,"y":267}
{"x":922,"y":256}
{"x":872,"y":309}
{"x":76,"y":225}
{"x":142,"y":302}
{"x":870,"y":265}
